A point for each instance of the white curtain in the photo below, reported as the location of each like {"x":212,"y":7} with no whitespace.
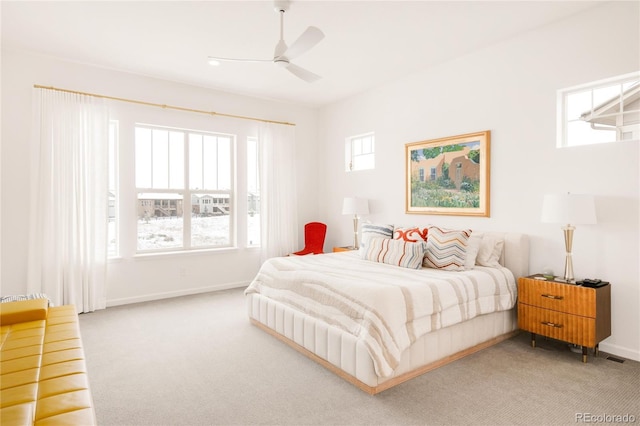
{"x":278,"y":215}
{"x":69,"y":180}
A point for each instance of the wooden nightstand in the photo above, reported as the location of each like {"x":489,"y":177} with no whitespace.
{"x":346,"y":248}
{"x":564,"y":311}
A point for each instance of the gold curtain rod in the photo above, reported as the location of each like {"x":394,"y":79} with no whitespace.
{"x":212,"y":113}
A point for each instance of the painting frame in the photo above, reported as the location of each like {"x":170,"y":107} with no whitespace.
{"x":461,"y":190}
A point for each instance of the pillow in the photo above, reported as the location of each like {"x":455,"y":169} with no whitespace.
{"x":412,"y":235}
{"x":473,"y":246}
{"x":394,"y":252}
{"x":490,"y":251}
{"x":446,"y":248}
{"x":375,"y":230}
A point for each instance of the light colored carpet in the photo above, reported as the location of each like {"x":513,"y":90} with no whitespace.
{"x":197,"y":360}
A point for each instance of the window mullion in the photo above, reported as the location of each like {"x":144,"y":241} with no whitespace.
{"x":151,"y":160}
{"x":186,"y":195}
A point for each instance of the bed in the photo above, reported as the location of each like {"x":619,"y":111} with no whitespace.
{"x":377,"y":325}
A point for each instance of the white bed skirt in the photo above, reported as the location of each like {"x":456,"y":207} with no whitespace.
{"x":347,"y":356}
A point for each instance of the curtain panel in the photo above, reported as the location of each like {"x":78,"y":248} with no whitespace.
{"x":69,"y":180}
{"x":279,"y":211}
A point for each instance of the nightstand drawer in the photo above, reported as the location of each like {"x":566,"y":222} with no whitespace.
{"x":574,"y":329}
{"x":560,"y":297}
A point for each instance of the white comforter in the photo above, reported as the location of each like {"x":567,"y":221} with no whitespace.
{"x":387,"y":306}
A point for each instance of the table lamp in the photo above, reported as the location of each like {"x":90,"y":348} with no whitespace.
{"x":355,"y":206}
{"x":569,"y":210}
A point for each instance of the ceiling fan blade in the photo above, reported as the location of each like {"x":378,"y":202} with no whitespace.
{"x":217,"y":58}
{"x":305,"y":75}
{"x":306,"y":41}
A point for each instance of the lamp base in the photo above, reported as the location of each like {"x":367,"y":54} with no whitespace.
{"x":568,"y":242}
{"x":356,"y":246}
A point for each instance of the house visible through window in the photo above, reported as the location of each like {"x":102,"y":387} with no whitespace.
{"x":601,"y":111}
{"x":360,"y":152}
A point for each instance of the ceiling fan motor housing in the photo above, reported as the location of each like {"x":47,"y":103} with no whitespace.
{"x":281,"y":62}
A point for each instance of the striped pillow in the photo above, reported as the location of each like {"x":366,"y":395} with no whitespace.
{"x":394,"y":252}
{"x":375,"y":230}
{"x":446,"y":249}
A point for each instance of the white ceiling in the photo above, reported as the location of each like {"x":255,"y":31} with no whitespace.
{"x":366,"y":43}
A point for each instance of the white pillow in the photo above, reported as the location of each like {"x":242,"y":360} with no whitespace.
{"x":473,"y":246}
{"x":490,"y":251}
{"x":394,"y":252}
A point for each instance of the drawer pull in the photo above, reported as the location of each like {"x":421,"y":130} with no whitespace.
{"x":551,"y":324}
{"x":551,"y":296}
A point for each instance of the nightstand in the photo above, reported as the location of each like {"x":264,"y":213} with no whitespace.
{"x":564,"y":311}
{"x":346,"y":248}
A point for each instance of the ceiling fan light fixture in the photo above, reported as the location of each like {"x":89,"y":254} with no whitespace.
{"x":281,"y":62}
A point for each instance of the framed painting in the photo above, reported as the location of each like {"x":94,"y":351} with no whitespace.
{"x":449,"y":176}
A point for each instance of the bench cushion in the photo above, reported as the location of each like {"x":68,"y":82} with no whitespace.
{"x":23,"y":311}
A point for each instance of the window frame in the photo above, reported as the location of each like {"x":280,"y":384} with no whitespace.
{"x":253,"y":200}
{"x":186,"y":192}
{"x":351,"y":154}
{"x":562,"y":113}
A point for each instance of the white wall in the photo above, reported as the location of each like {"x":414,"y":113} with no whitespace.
{"x":144,"y":277}
{"x":510,"y":89}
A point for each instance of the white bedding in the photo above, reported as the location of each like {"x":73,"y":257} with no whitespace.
{"x":386,"y":306}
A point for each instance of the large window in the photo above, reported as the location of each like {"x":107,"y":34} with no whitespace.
{"x":599,"y":112}
{"x":184,"y":187}
{"x":360,"y":152}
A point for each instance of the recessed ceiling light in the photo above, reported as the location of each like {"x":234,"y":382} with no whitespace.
{"x":214,"y":62}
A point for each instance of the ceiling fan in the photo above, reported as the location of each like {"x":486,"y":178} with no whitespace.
{"x":283,"y":54}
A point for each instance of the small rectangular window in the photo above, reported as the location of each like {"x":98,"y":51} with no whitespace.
{"x":360,"y":152}
{"x":599,"y":112}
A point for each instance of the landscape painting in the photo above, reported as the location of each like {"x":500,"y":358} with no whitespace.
{"x":449,"y":175}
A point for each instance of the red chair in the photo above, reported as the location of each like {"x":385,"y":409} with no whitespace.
{"x":314,"y":233}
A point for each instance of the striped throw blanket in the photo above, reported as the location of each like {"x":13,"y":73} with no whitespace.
{"x":386,"y":306}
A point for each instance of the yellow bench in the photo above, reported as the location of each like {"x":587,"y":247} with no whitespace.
{"x":43,"y":376}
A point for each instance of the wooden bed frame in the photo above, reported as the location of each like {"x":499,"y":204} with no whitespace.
{"x":372,"y":390}
{"x":347,"y":357}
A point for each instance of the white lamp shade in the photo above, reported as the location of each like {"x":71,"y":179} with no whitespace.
{"x":354,"y":205}
{"x":574,"y":209}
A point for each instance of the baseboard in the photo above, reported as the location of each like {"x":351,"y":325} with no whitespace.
{"x":170,"y":294}
{"x":620,"y":351}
